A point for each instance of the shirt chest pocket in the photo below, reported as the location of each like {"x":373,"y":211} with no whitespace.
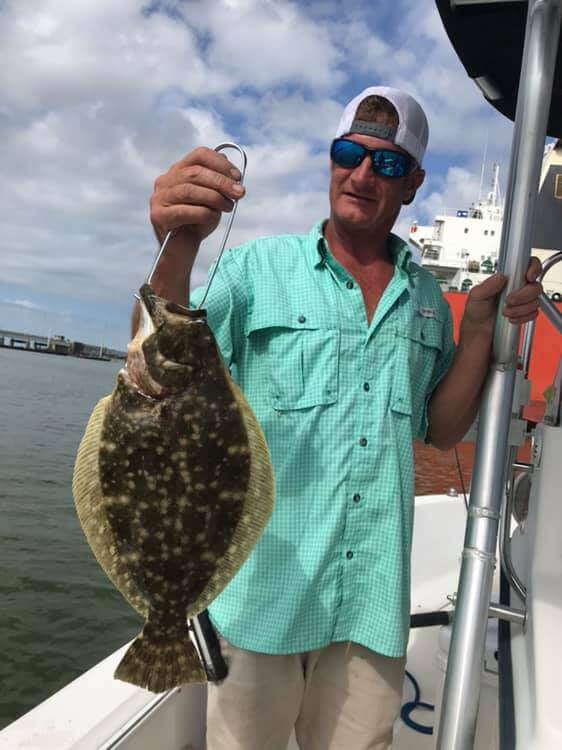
{"x":423,"y":337}
{"x":299,"y":358}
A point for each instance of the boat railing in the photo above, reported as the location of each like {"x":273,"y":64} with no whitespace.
{"x":489,"y":213}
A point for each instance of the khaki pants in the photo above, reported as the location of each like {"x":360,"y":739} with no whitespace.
{"x":342,"y":697}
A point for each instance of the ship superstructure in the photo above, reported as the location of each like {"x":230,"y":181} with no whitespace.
{"x":461,"y":248}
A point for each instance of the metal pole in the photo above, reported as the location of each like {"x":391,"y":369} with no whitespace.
{"x":462,"y":684}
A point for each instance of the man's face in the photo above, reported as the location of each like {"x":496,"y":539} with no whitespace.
{"x":363,"y":201}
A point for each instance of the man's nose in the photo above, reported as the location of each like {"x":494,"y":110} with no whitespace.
{"x":364,"y":171}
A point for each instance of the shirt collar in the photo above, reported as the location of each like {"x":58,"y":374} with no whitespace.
{"x":399,"y":250}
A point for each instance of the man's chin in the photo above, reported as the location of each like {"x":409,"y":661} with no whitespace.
{"x":357,"y":220}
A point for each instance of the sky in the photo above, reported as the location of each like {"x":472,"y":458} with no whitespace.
{"x":101,"y":97}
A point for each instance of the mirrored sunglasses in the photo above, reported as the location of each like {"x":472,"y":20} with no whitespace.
{"x":349,"y":154}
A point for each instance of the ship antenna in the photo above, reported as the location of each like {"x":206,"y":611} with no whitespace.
{"x":493,"y":194}
{"x":483,"y":167}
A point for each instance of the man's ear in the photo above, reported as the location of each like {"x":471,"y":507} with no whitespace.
{"x":415,"y":182}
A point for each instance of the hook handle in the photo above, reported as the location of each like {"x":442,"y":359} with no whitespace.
{"x":221,"y":147}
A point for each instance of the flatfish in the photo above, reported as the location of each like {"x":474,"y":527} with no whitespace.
{"x":173,"y":486}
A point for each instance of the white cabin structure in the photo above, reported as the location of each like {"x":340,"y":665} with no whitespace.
{"x":461,"y":248}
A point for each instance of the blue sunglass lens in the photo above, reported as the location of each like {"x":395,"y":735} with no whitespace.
{"x":390,"y":163}
{"x":349,"y":154}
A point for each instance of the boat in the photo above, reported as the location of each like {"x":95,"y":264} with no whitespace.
{"x":484,"y":661}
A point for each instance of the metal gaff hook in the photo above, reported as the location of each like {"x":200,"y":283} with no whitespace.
{"x":160,"y":253}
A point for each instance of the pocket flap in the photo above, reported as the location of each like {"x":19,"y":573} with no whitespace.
{"x":266,"y":317}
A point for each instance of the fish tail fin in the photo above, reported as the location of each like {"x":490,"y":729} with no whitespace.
{"x":160,"y":664}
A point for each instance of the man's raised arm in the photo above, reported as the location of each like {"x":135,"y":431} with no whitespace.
{"x":456,"y":399}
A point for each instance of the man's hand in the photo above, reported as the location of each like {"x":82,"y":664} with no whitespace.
{"x":189,"y":200}
{"x":521,"y":305}
{"x":192,"y":194}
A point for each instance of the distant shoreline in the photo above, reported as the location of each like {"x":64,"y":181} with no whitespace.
{"x":60,"y":354}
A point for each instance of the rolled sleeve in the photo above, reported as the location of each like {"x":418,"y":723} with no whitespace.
{"x":440,"y":369}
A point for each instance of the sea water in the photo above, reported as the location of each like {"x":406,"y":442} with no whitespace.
{"x":59,"y":614}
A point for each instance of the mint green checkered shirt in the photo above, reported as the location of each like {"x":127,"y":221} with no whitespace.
{"x":340,"y":402}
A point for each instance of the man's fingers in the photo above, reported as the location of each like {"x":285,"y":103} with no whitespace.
{"x":489,"y":288}
{"x":526,"y":294}
{"x":188,"y":205}
{"x":195,"y":195}
{"x":180,"y":215}
{"x":198,"y":174}
{"x":521,"y":312}
{"x":534,"y":269}
{"x":213,"y":160}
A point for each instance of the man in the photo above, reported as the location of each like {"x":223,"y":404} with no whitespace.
{"x":344,"y":350}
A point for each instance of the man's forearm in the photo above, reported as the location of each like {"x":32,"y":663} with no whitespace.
{"x":172,"y":276}
{"x":455,"y":403}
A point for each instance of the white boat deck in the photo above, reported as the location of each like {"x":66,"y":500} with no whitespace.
{"x":96,"y":712}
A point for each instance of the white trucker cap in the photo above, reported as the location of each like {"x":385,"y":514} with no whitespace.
{"x":412,"y":132}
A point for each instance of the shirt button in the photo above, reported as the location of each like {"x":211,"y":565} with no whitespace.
{"x":363,"y":442}
{"x":366,"y":387}
{"x":302,"y":319}
{"x":356,"y":497}
{"x":349,"y":284}
{"x":349,"y":555}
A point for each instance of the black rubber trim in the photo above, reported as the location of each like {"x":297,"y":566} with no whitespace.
{"x":215,"y":666}
{"x":505,"y":670}
{"x":430,"y":619}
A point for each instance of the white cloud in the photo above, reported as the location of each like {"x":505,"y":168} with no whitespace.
{"x":458,"y":190}
{"x":100,"y":97}
{"x":28,"y":304}
{"x":266,"y":43}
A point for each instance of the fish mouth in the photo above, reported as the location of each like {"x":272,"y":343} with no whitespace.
{"x":168,"y":347}
{"x":153,"y":302}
